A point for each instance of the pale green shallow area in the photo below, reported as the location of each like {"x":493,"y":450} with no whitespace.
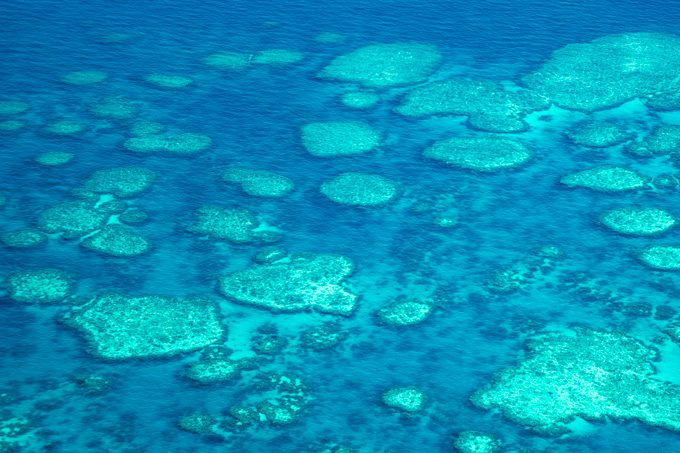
{"x":477,"y":442}
{"x":454,"y":269}
{"x":300,"y":283}
{"x":644,"y":221}
{"x":383,"y":65}
{"x":117,"y":240}
{"x":339,"y":138}
{"x":583,"y":373}
{"x":605,"y":179}
{"x":489,"y":106}
{"x":177,"y":144}
{"x":598,"y":134}
{"x":408,"y":399}
{"x":120,"y":327}
{"x":609,"y":71}
{"x":360,"y":189}
{"x":259,"y":183}
{"x":238,"y":225}
{"x":40,"y":286}
{"x":486,"y":154}
{"x":662,"y":257}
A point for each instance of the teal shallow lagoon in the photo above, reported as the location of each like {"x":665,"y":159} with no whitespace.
{"x":499,"y":260}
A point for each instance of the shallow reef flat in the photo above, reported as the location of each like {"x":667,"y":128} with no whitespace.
{"x":583,"y":373}
{"x":234,"y":228}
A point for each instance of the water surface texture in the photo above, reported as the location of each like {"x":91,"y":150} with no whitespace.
{"x":379,"y":226}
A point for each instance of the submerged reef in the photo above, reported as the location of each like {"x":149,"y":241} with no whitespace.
{"x":215,"y":366}
{"x":238,"y":225}
{"x":74,"y":218}
{"x":605,"y":179}
{"x":384,"y":65}
{"x":485,"y":154}
{"x":662,"y":257}
{"x":360,"y":189}
{"x":116,"y":240}
{"x":121,"y":182}
{"x":663,"y":141}
{"x":476,"y":442}
{"x":115,"y":108}
{"x":84,"y":77}
{"x":599,"y":134}
{"x":277,"y":399}
{"x":360,"y":99}
{"x":644,"y":221}
{"x":325,"y":336}
{"x":406,"y":313}
{"x":302,"y":282}
{"x":259,"y":183}
{"x":171,"y":81}
{"x":40,"y":286}
{"x":125,"y":327}
{"x":532,"y":269}
{"x":11,"y":125}
{"x":13,"y":107}
{"x":66,"y":127}
{"x":609,"y":71}
{"x":488,"y":105}
{"x":278,"y":57}
{"x":407,"y":399}
{"x":339,"y":138}
{"x":228,"y":60}
{"x":23,"y":238}
{"x":175,"y":144}
{"x":54,"y":158}
{"x":582,"y":373}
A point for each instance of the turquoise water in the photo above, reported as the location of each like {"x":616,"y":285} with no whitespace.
{"x":58,"y":393}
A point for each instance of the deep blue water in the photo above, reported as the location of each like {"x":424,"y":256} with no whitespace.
{"x":254,"y":118}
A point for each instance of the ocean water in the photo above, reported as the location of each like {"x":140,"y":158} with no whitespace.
{"x":58,"y":394}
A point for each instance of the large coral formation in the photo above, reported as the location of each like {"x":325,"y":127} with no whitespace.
{"x":489,"y":106}
{"x":302,"y":282}
{"x":605,"y":179}
{"x":360,"y":189}
{"x":125,"y":327}
{"x":662,"y":257}
{"x":121,"y":181}
{"x":609,"y":71}
{"x":383,"y":65}
{"x":40,"y":286}
{"x":339,"y":138}
{"x":644,"y":221}
{"x":73,"y":218}
{"x":598,"y":134}
{"x":259,"y":183}
{"x":116,"y":240}
{"x":239,"y":225}
{"x":583,"y":373}
{"x":485,"y":154}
